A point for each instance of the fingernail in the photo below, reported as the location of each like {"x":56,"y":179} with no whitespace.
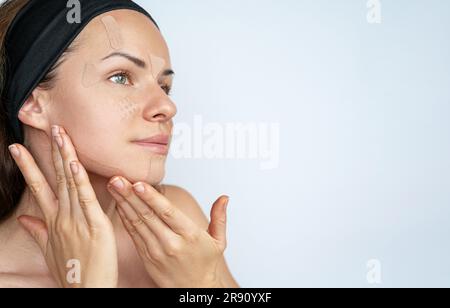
{"x":226,"y":203}
{"x":139,"y":188}
{"x":74,"y":167}
{"x":59,"y":141}
{"x":14,"y":150}
{"x":117,"y":183}
{"x":55,"y":130}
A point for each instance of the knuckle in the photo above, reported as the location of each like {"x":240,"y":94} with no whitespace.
{"x":86,"y":202}
{"x":35,"y":188}
{"x":98,"y":230}
{"x":192,"y":237}
{"x":168,"y":212}
{"x":137,"y":223}
{"x":148,"y":215}
{"x":81,"y":230}
{"x":71,"y":185}
{"x":221,"y":221}
{"x":173,"y":248}
{"x":143,"y":252}
{"x":60,"y":178}
{"x":130,"y":228}
{"x":62,"y":227}
{"x":155,"y":255}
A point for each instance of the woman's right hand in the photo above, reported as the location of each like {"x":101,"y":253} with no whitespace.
{"x":75,"y":235}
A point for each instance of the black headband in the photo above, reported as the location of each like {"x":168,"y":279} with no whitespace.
{"x":36,"y":39}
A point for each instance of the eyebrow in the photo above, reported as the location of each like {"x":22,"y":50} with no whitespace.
{"x":138,"y":62}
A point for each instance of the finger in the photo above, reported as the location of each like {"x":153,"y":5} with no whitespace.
{"x":61,"y":182}
{"x":137,"y":224}
{"x":37,"y":229}
{"x":68,"y":155}
{"x":36,"y":181}
{"x":172,"y":216}
{"x":218,"y":225}
{"x":150,"y":243}
{"x":137,"y":210}
{"x":93,"y":212}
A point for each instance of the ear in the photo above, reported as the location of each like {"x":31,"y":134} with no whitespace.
{"x":33,"y":112}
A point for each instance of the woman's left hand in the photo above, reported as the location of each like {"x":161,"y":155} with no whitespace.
{"x":175,"y":251}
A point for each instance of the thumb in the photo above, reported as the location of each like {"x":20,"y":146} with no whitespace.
{"x":218,"y":225}
{"x":36,"y":228}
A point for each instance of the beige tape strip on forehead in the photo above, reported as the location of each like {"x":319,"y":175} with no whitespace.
{"x":91,"y":75}
{"x":115,"y":38}
{"x":114,"y":32}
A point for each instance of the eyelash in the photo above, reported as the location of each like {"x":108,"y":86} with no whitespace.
{"x":167,"y":89}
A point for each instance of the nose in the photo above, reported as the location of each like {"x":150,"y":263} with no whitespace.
{"x":159,"y":108}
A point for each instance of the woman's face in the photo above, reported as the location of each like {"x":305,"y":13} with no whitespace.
{"x":105,"y":98}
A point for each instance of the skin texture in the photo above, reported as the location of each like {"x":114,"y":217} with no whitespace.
{"x":101,"y":121}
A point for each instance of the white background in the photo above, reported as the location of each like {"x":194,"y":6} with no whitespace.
{"x":364,"y":112}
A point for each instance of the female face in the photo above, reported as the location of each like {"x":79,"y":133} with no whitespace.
{"x":112,"y":91}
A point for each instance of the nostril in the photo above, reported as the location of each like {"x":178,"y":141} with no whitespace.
{"x":159,"y":116}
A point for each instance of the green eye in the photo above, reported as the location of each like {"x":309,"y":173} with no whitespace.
{"x":120,"y":78}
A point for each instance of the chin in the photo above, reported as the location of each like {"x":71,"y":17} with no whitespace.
{"x":152,"y":174}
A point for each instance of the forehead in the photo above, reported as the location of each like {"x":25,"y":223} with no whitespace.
{"x":138,"y":34}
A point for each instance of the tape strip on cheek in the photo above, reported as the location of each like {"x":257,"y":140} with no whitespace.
{"x":128,"y":108}
{"x":113,"y":31}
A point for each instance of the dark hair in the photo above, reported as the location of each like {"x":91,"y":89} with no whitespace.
{"x":12,"y":182}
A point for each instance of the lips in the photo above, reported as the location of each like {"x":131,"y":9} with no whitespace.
{"x":159,"y":139}
{"x":158,"y":144}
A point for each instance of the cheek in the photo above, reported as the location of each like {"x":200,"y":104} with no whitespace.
{"x":127,"y":108}
{"x":116,"y":155}
{"x":102,"y":139}
{"x":96,"y":117}
{"x":100,"y":124}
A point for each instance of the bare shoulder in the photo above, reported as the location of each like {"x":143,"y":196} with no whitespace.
{"x":186,"y":202}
